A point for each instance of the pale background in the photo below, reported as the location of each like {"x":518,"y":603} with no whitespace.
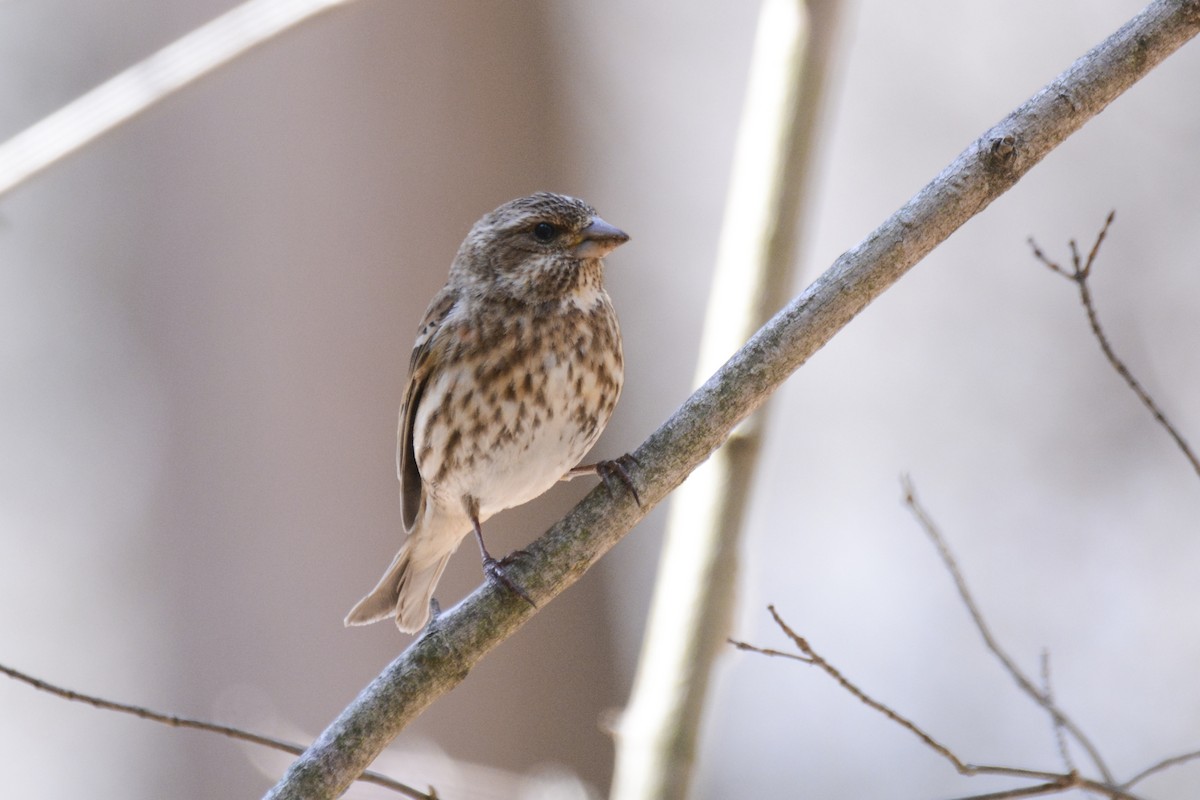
{"x":204,"y":329}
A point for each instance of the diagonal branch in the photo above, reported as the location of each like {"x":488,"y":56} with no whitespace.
{"x":695,"y":589}
{"x":1044,"y":699}
{"x":200,"y":725}
{"x":459,"y":638}
{"x":904,"y":722}
{"x":129,"y":93}
{"x":1051,"y":782}
{"x":1079,"y":273}
{"x":1166,"y":763}
{"x":1060,"y":737}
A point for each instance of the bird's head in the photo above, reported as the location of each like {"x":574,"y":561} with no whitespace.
{"x":537,"y":248}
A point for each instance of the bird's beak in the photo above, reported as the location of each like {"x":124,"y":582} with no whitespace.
{"x":599,"y":239}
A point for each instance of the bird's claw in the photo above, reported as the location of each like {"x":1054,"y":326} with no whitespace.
{"x":513,"y":557}
{"x":618,"y":469}
{"x":495,"y":572}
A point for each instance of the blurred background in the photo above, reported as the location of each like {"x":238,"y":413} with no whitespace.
{"x":205,"y":320}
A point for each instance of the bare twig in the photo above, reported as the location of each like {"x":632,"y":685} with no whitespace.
{"x":1053,"y":787}
{"x":1173,"y":761}
{"x":809,"y":656}
{"x":1023,"y":681}
{"x":195,"y":724}
{"x":447,"y":651}
{"x":1079,"y":273}
{"x":1051,"y":782}
{"x":766,"y":651}
{"x":846,"y":684}
{"x":1059,"y":738}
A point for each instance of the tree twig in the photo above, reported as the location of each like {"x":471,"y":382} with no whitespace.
{"x":767,"y":651}
{"x":1052,"y":782}
{"x":447,"y":651}
{"x":1059,"y":737}
{"x":1043,"y":699}
{"x":200,"y":725}
{"x":818,"y":661}
{"x":1053,"y":787}
{"x":1079,"y":273}
{"x":1173,"y":761}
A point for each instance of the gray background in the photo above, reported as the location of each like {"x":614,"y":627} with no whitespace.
{"x":204,"y":328}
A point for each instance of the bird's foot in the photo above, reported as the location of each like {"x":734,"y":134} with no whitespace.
{"x":494,"y":570}
{"x":616,"y":470}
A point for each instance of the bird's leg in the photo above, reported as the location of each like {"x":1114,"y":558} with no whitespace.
{"x":617,"y":469}
{"x":492,"y":568}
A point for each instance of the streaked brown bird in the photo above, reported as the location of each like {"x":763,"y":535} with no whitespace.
{"x":515,"y":372}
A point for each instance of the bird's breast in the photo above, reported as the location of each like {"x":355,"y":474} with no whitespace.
{"x":511,"y":415}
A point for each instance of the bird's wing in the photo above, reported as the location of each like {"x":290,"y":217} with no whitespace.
{"x":412,"y":490}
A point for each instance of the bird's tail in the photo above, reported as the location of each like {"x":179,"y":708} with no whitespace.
{"x":406,"y":589}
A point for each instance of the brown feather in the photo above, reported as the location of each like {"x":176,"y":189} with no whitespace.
{"x":412,"y":494}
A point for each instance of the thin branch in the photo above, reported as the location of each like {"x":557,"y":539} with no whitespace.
{"x":1079,"y":273}
{"x":1022,"y":680}
{"x":810,"y":656}
{"x":1070,"y":780}
{"x":447,"y":651}
{"x":131,"y":92}
{"x":766,"y":651}
{"x":1173,"y":761}
{"x":199,"y":725}
{"x":1059,"y":737}
{"x":1053,"y":787}
{"x":866,"y":699}
{"x":1051,"y":782}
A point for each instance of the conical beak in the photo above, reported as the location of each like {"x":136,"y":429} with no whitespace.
{"x":599,"y":239}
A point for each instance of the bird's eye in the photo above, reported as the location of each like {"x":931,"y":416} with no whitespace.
{"x":544,"y":232}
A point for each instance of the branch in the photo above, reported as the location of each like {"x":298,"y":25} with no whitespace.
{"x":812,"y":657}
{"x":1053,"y":787}
{"x":696,"y":584}
{"x":1059,"y":735}
{"x":1044,"y":699}
{"x":124,"y":96}
{"x":1052,"y":782}
{"x":443,"y":656}
{"x":1166,"y":763}
{"x":199,"y":725}
{"x":1080,"y":272}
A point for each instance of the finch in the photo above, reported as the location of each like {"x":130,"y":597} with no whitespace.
{"x":515,"y":373}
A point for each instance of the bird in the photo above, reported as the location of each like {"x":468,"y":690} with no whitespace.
{"x":515,"y":372}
